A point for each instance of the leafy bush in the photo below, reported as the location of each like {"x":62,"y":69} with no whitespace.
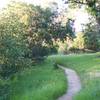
{"x":4,"y":89}
{"x":12,"y":45}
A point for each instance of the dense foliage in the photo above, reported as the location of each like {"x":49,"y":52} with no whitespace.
{"x":12,"y":44}
{"x":26,"y":34}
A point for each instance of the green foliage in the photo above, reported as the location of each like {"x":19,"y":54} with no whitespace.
{"x":75,"y":50}
{"x":12,"y":44}
{"x":40,"y":82}
{"x":61,"y":31}
{"x":4,"y":89}
{"x":84,"y":64}
{"x":25,"y":31}
{"x":79,"y":41}
{"x":87,"y":40}
{"x":91,"y":36}
{"x":91,"y":41}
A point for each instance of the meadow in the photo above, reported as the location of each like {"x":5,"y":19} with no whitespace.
{"x":44,"y":82}
{"x":88,"y":68}
{"x":41,"y":82}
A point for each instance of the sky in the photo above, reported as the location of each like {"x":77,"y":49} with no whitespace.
{"x":3,"y":3}
{"x":80,"y":16}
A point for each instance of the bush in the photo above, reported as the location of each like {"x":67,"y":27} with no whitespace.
{"x":4,"y":89}
{"x":39,"y":52}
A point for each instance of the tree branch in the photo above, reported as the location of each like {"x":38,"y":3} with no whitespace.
{"x":77,"y":2}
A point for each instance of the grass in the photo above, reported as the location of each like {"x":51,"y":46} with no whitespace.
{"x":84,"y":64}
{"x":41,"y":82}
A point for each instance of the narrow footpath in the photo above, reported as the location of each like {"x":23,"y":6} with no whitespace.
{"x":74,"y":84}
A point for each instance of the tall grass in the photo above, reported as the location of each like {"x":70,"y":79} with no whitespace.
{"x":84,"y":64}
{"x":41,"y":82}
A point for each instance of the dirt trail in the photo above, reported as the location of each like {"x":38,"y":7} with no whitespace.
{"x":74,"y":84}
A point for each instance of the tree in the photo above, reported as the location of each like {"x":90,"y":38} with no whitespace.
{"x":13,"y":44}
{"x":79,"y":41}
{"x":91,"y":36}
{"x":44,"y":27}
{"x":92,"y":6}
{"x":27,"y":31}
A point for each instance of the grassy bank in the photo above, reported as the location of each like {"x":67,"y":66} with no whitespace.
{"x":86,"y":65}
{"x":41,"y":82}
